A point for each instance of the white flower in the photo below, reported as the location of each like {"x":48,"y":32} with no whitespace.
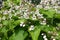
{"x":5,"y":12}
{"x":13,"y":11}
{"x":26,"y":10}
{"x":45,"y":19}
{"x":10,"y":15}
{"x":17,"y":7}
{"x":26,"y":16}
{"x":25,"y":4}
{"x":47,"y":7}
{"x":58,"y":2}
{"x":34,"y":17}
{"x":23,"y":25}
{"x":15,"y":14}
{"x":40,"y":16}
{"x":49,"y":31}
{"x":31,"y":27}
{"x":53,"y":2}
{"x":55,"y":7}
{"x":3,"y":18}
{"x":44,"y":36}
{"x":37,"y":11}
{"x":57,"y":34}
{"x":45,"y":39}
{"x":54,"y":39}
{"x":29,"y":1}
{"x":43,"y":23}
{"x":39,"y":6}
{"x":9,"y":11}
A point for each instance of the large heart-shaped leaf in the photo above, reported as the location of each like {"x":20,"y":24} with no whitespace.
{"x":20,"y":35}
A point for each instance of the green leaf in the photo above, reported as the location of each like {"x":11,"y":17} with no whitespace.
{"x":20,"y":35}
{"x":58,"y":37}
{"x":35,"y":33}
{"x":49,"y":13}
{"x":57,"y":16}
{"x":4,"y":31}
{"x":49,"y":28}
{"x":5,"y":22}
{"x":12,"y":24}
{"x":16,"y":2}
{"x":19,"y":21}
{"x":15,"y":17}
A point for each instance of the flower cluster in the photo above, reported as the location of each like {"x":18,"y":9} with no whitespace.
{"x":27,"y":10}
